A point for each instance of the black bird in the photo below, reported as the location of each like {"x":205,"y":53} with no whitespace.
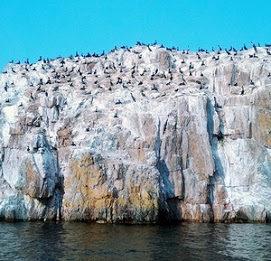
{"x":254,"y":47}
{"x":242,"y":91}
{"x":216,"y":104}
{"x":132,"y":97}
{"x":48,"y":81}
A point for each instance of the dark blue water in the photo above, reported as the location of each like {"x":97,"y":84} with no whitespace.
{"x":84,"y":241}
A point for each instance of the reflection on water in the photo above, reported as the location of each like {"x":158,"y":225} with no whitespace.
{"x":83,"y":241}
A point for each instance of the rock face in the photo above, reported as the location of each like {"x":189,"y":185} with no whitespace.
{"x":142,"y":134}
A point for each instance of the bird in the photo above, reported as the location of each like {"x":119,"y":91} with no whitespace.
{"x":133,"y":97}
{"x":6,"y":87}
{"x":254,"y":47}
{"x":242,"y":91}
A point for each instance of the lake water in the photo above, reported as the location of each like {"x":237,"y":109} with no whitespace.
{"x":85,"y":241}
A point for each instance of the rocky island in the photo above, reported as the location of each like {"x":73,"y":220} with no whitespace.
{"x":141,"y":134}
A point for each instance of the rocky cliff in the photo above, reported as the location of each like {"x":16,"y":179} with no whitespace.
{"x":138,"y":135}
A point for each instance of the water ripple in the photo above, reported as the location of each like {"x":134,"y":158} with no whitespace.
{"x":83,"y":241}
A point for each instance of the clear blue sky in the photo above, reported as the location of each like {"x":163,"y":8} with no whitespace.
{"x":50,"y":28}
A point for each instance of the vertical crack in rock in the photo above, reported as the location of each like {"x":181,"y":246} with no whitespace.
{"x":217,"y":179}
{"x":169,"y":209}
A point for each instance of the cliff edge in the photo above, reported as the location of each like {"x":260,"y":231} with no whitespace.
{"x":139,"y":135}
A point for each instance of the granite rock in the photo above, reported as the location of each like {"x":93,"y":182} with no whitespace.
{"x":139,"y":135}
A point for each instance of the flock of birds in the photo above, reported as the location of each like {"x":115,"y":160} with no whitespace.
{"x":99,"y":72}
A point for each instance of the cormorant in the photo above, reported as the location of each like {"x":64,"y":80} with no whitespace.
{"x":254,"y":47}
{"x":6,"y":87}
{"x":132,"y":97}
{"x":227,"y":52}
{"x":242,"y":91}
